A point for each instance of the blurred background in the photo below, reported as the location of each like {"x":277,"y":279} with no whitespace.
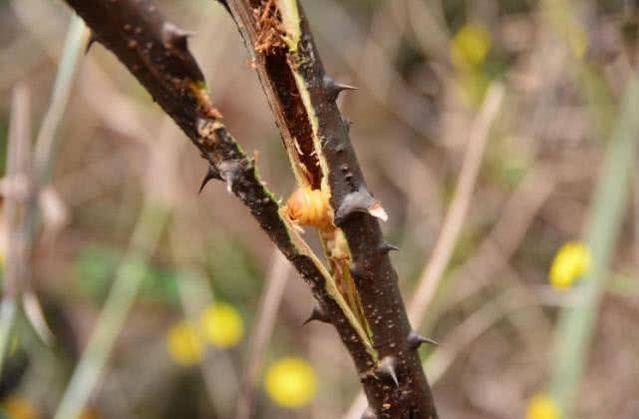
{"x":498,"y":134}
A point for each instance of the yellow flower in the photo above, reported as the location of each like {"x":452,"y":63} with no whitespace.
{"x":470,"y":46}
{"x":571,"y":263}
{"x":542,"y":406}
{"x":222,"y":325}
{"x":290,"y":382}
{"x":16,"y":407}
{"x":184,"y":344}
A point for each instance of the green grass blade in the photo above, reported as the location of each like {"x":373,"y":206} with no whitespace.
{"x":575,"y":328}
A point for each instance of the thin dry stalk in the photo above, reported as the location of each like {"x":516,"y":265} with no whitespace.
{"x":454,"y":220}
{"x":18,"y":161}
{"x":266,"y":315}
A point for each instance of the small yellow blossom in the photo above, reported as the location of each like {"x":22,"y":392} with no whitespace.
{"x":542,"y":406}
{"x":571,"y":263}
{"x":222,"y":325}
{"x":184,"y":344}
{"x":16,"y":407}
{"x":470,"y":46}
{"x":290,"y":382}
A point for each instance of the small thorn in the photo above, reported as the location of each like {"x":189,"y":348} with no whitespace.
{"x":318,"y":314}
{"x":415,"y":340}
{"x":175,"y":36}
{"x":211,"y":173}
{"x":360,"y":201}
{"x":333,"y":89}
{"x":386,"y":247}
{"x":369,"y":413}
{"x":92,"y":40}
{"x":387,"y":367}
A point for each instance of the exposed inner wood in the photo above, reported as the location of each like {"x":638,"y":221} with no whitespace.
{"x":270,"y":45}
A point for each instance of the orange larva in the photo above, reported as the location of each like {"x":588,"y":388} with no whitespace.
{"x":310,"y":207}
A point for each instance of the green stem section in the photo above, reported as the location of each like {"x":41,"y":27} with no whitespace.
{"x":575,"y":328}
{"x":128,"y":280}
{"x":47,"y":141}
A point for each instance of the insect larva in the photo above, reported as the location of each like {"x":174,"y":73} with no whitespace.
{"x":308,"y":206}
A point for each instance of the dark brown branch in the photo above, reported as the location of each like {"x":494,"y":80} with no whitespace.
{"x":156,"y":52}
{"x":288,"y":72}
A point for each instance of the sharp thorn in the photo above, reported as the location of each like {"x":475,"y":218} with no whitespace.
{"x":333,"y":89}
{"x":317,"y":314}
{"x":386,"y":247}
{"x":415,"y":340}
{"x":92,"y":40}
{"x":386,"y":368}
{"x":211,"y":173}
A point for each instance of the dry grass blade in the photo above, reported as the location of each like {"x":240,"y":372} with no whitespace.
{"x":454,"y":220}
{"x":266,"y":316}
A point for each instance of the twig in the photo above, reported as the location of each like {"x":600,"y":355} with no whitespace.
{"x":454,"y":220}
{"x":266,"y":315}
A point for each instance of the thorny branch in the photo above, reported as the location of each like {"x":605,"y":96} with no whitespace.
{"x":316,"y":137}
{"x":302,"y":97}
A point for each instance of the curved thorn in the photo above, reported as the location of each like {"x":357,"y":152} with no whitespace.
{"x":317,"y":314}
{"x":92,"y":40}
{"x":211,"y":173}
{"x":386,"y":247}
